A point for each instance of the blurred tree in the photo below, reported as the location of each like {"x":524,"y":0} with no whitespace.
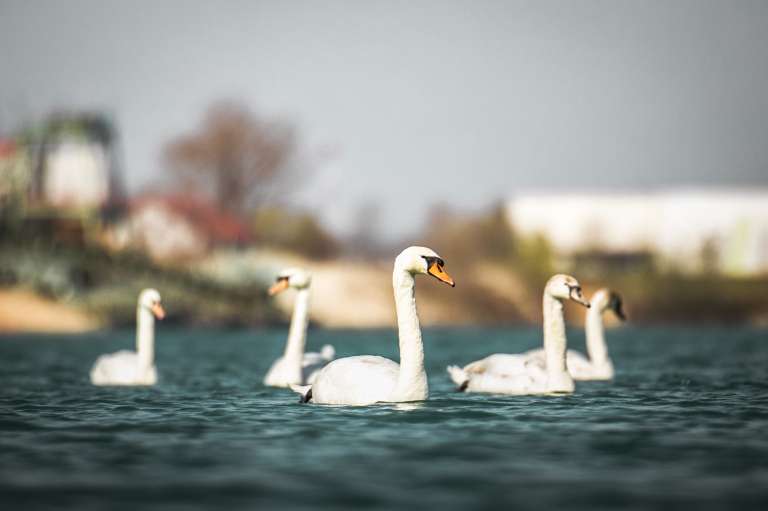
{"x":363,"y":242}
{"x":534,"y":259}
{"x":710,"y":256}
{"x":296,"y":231}
{"x":488,"y":236}
{"x":235,"y":158}
{"x":471,"y":237}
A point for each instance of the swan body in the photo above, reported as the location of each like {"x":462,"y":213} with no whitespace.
{"x":365,"y":380}
{"x":597,"y":365}
{"x":296,"y":367}
{"x":522,"y":374}
{"x":341,"y":383}
{"x":134,"y":367}
{"x":530,"y":378}
{"x":123,"y":367}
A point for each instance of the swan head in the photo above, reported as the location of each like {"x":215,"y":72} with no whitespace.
{"x":606,"y":299}
{"x":565,"y":287}
{"x":296,"y":278}
{"x":150,"y":299}
{"x":424,"y":261}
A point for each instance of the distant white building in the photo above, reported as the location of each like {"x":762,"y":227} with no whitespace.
{"x":683,"y":228}
{"x":77,"y":174}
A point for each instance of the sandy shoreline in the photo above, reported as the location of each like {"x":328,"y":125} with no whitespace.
{"x":22,"y":310}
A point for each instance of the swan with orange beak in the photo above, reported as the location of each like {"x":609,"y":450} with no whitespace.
{"x":296,"y":367}
{"x":368,"y":379}
{"x":597,"y":365}
{"x":520,"y":374}
{"x":134,"y":367}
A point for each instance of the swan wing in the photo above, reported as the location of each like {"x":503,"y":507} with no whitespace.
{"x":537,"y":353}
{"x":360,"y":380}
{"x":280,"y":375}
{"x":313,"y":358}
{"x":577,"y":363}
{"x":501,"y":374}
{"x":574,"y":357}
{"x":328,"y":352}
{"x":583,"y":369}
{"x":580,"y":367}
{"x":500,"y":364}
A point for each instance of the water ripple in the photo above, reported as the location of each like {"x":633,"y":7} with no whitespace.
{"x":683,"y":425}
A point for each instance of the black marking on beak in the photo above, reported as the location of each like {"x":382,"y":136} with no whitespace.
{"x":617,"y":305}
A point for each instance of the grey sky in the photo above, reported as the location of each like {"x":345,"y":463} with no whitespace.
{"x":460,"y":102}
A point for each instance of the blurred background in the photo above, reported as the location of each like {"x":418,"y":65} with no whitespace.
{"x":199,"y":148}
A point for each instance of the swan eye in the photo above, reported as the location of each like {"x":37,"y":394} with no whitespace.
{"x":432,"y":260}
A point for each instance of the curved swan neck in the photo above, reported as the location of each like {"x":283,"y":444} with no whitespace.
{"x":554,"y":335}
{"x":297,"y":333}
{"x":145,"y":336}
{"x":412,"y":374}
{"x":596,"y":348}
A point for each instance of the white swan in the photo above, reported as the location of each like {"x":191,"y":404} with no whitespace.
{"x":368,"y":379}
{"x":520,"y":374}
{"x":295,"y":366}
{"x":134,"y":367}
{"x":598,"y":366}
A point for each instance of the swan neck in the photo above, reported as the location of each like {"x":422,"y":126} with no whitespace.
{"x":145,"y":336}
{"x":412,"y":375}
{"x":297,"y":333}
{"x":596,"y":348}
{"x":554,"y":335}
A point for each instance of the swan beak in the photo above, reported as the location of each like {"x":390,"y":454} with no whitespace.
{"x":280,"y":285}
{"x":158,"y":311}
{"x":576,"y":297}
{"x":437,"y":271}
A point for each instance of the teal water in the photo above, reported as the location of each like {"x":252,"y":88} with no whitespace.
{"x":684,"y":425}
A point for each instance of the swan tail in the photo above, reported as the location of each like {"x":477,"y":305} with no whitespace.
{"x":305,"y":391}
{"x":459,"y":377}
{"x":328,"y":352}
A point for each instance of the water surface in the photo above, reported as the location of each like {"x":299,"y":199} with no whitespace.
{"x":684,"y":425}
